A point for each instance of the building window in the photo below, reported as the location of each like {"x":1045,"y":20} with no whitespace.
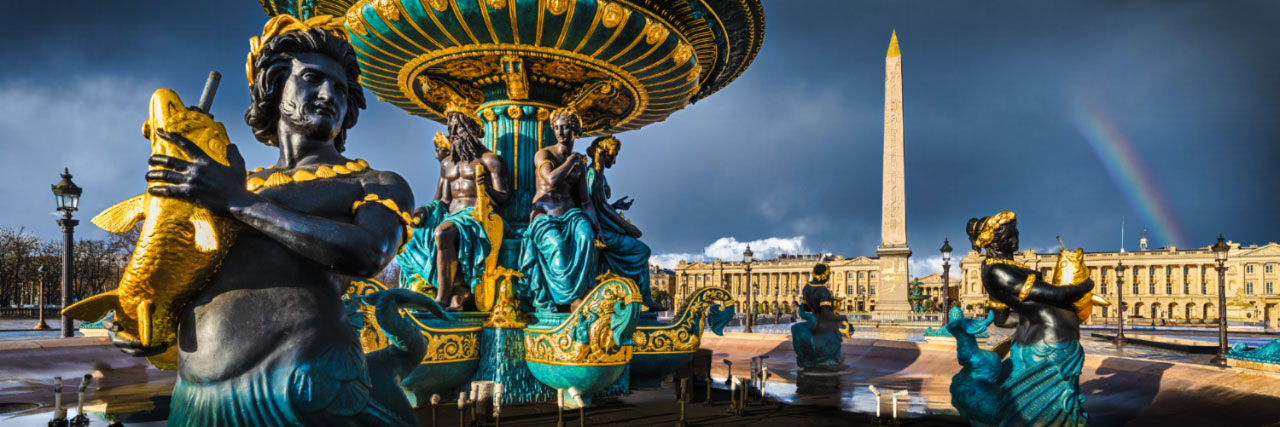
{"x":849,"y":275}
{"x":1270,"y":287}
{"x":1268,"y":269}
{"x":873,"y":274}
{"x":1186,"y":288}
{"x":1151,"y":288}
{"x":1168,"y":288}
{"x":1204,"y":288}
{"x":1104,"y":288}
{"x":1248,"y":268}
{"x":848,"y":289}
{"x":862,"y":289}
{"x":1168,"y":271}
{"x":860,"y":274}
{"x":1248,"y":288}
{"x":873,"y":288}
{"x":1135,"y":288}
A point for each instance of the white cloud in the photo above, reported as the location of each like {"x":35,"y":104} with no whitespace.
{"x":730,"y":249}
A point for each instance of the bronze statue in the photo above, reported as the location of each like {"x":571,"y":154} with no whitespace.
{"x":623,"y":252}
{"x":1040,"y":383}
{"x":817,"y":339}
{"x":266,"y":342}
{"x":558,"y":253}
{"x":451,"y":247}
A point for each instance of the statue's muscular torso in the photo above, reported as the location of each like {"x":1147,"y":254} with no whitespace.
{"x":238,"y":322}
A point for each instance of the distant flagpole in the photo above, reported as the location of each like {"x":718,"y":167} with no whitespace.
{"x":1121,"y":233}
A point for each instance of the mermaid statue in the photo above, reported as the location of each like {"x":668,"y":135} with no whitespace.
{"x":448,"y":251}
{"x":817,"y":339}
{"x":558,"y":254}
{"x":623,"y":252}
{"x":1038,"y":383}
{"x":265,"y":341}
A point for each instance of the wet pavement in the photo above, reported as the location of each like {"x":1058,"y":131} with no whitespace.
{"x":1129,"y":385}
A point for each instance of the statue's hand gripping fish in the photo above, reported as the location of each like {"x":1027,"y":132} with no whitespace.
{"x":1072,"y":271}
{"x":181,"y":244}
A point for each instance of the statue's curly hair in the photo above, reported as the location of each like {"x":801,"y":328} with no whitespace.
{"x":273,"y":65}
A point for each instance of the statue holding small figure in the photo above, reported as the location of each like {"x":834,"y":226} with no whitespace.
{"x":447,"y":254}
{"x":558,"y":253}
{"x":818,"y":338}
{"x":623,"y":252}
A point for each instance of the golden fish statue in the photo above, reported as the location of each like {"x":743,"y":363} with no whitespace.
{"x":181,"y":244}
{"x":1070,"y":270}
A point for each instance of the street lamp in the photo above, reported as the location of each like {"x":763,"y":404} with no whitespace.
{"x":40,"y":325}
{"x":1220,"y":255}
{"x":946,"y":281}
{"x":746,"y":258}
{"x":1119,"y":340}
{"x":67,"y":195}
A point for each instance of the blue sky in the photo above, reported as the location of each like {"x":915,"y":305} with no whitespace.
{"x":788,"y":156}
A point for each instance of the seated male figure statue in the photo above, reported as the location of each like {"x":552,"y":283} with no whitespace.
{"x":266,"y":342}
{"x":450,"y":248}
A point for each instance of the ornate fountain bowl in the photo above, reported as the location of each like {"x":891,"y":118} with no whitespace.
{"x":622,"y":63}
{"x":660,"y":349}
{"x":452,"y":347}
{"x":582,"y":352}
{"x":453,"y":354}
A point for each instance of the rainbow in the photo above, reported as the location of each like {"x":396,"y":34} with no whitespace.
{"x":1128,"y":173}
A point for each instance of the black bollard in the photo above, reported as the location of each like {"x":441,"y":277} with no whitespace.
{"x":81,"y":419}
{"x":497,"y":405}
{"x":435,"y":400}
{"x":559,"y":408}
{"x":59,"y":413}
{"x":462,"y":409}
{"x":684,"y":397}
{"x":728,"y":376}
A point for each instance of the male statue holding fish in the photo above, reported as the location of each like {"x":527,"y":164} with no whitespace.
{"x":265,"y":340}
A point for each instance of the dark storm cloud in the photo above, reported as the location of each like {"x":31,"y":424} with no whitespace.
{"x":792,"y":148}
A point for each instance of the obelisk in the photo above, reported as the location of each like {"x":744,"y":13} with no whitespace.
{"x":893,"y":251}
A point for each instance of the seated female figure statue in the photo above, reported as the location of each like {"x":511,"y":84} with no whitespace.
{"x":558,"y":253}
{"x":448,"y":249}
{"x":1042,"y":386}
{"x":623,"y":252}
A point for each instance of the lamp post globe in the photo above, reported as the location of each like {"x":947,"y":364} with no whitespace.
{"x":1119,"y":340}
{"x":751,"y":308}
{"x":946,"y":281}
{"x":1220,"y":250}
{"x":67,"y":195}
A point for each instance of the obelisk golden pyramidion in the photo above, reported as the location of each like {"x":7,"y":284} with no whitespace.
{"x":180,"y":246}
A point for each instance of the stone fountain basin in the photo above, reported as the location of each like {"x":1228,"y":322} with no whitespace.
{"x":452,"y":355}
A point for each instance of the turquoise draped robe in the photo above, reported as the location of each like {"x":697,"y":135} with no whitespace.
{"x":418,"y":260}
{"x":624,"y":255}
{"x":558,"y":259}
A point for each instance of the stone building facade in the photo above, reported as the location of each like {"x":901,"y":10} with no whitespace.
{"x":778,"y":281}
{"x":1170,"y":284}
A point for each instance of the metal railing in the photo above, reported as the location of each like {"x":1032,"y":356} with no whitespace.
{"x":28,"y":312}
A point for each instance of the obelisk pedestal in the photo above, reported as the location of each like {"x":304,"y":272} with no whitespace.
{"x":893,"y":251}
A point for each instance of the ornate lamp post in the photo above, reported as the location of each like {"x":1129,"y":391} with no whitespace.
{"x":1120,"y":303}
{"x":1220,"y":250}
{"x":946,"y":281}
{"x":67,"y":195}
{"x":751,"y":308}
{"x":40,"y":325}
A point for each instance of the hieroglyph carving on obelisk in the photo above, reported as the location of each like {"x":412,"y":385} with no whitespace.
{"x":893,"y":251}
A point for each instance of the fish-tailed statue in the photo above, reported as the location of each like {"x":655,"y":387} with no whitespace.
{"x":453,"y":246}
{"x":1041,"y":384}
{"x":975,"y":390}
{"x":265,"y":341}
{"x":559,"y":250}
{"x":623,"y":252}
{"x":817,"y":339}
